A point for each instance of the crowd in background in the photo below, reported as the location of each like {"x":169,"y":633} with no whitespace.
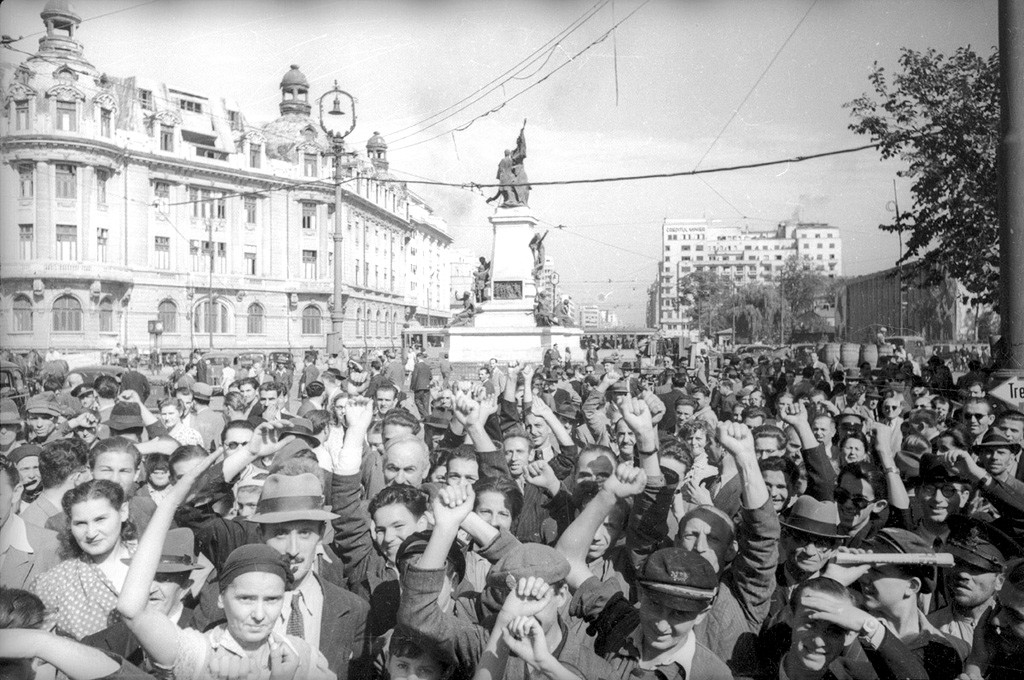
{"x":573,"y":518}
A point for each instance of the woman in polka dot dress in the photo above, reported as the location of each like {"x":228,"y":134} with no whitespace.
{"x":82,"y":591}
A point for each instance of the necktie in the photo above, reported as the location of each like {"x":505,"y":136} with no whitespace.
{"x":296,"y":627}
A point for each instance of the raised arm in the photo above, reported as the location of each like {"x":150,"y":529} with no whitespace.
{"x":157,"y":634}
{"x":74,"y":659}
{"x":575,"y":542}
{"x":821,"y":477}
{"x":881,"y":435}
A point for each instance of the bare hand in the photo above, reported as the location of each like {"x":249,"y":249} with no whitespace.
{"x":183,"y":486}
{"x":130,"y":396}
{"x":737,"y":439}
{"x":266,"y":441}
{"x":793,"y":414}
{"x":540,"y":474}
{"x":636,"y":413}
{"x":847,"y":575}
{"x":525,"y":639}
{"x":359,"y":414}
{"x":284,"y":662}
{"x":627,"y":481}
{"x":451,"y":505}
{"x":833,"y":610}
{"x":527,"y":597}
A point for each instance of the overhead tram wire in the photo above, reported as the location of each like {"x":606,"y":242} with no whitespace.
{"x":604,"y":36}
{"x":98,"y":16}
{"x":509,"y":74}
{"x":656,"y":175}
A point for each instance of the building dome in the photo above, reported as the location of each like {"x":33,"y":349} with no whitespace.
{"x":376,"y":142}
{"x":294,"y":78}
{"x":60,"y":8}
{"x":285,"y":134}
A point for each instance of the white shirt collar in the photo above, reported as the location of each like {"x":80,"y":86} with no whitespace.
{"x":15,"y":535}
{"x":682,"y":655}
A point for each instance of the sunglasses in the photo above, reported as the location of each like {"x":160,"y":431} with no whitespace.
{"x":843,"y":497}
{"x":974,"y":416}
{"x":947,"y":490}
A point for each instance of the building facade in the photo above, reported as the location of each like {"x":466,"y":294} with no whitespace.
{"x":128,"y":206}
{"x":735,"y":253}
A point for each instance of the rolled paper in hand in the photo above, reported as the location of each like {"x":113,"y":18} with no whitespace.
{"x":854,"y":559}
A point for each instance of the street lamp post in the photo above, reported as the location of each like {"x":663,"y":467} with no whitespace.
{"x":334,"y":125}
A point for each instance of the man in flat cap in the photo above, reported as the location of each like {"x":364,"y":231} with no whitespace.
{"x":677,"y":589}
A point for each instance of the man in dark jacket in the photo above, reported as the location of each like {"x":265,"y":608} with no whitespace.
{"x":419,"y":383}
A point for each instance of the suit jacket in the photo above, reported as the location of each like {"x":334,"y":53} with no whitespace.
{"x":21,"y":568}
{"x":343,"y":638}
{"x":420,"y":379}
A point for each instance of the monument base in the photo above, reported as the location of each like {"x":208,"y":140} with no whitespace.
{"x":476,"y":344}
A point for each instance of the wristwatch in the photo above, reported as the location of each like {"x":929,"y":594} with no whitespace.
{"x":869,"y":628}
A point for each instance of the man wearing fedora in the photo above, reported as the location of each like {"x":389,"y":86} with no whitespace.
{"x":293,"y":521}
{"x":166,"y":594}
{"x":810,"y":539}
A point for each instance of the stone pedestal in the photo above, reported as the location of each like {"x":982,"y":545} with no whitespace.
{"x":505,"y":327}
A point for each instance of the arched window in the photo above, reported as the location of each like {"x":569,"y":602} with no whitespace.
{"x":312,"y":321}
{"x":209,"y":318}
{"x":377,"y":329}
{"x":394,"y":324}
{"x":359,"y":322}
{"x":167,"y":313}
{"x":106,"y":311}
{"x":67,"y":315}
{"x":255,"y":319}
{"x":22,"y":314}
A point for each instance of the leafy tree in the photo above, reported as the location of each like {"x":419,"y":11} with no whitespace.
{"x":941,"y":115}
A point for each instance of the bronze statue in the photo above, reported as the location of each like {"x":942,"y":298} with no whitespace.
{"x":481,"y":279}
{"x":514,"y":186}
{"x":537,"y":248}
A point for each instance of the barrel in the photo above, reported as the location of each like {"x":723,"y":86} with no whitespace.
{"x":849,"y":352}
{"x":830,"y":353}
{"x":869,"y":353}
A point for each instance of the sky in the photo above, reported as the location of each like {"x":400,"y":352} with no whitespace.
{"x":678,"y":85}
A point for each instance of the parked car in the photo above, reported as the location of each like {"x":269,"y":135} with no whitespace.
{"x":12,"y":383}
{"x":90,"y":373}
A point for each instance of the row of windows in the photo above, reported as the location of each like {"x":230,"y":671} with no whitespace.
{"x":66,"y":117}
{"x":66,"y":315}
{"x":216,"y":318}
{"x":65,"y":182}
{"x":66,"y":245}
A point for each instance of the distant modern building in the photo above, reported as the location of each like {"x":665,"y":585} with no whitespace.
{"x":589,"y":316}
{"x":462,"y":264}
{"x":129,"y":206}
{"x":737,"y":253}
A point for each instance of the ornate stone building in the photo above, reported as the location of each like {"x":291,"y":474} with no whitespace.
{"x":125,"y":201}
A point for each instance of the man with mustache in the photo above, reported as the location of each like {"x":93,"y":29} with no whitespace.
{"x":292,"y":520}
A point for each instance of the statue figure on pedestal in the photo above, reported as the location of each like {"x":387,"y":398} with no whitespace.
{"x":481,"y":280}
{"x":514,"y":189}
{"x":537,"y":248}
{"x":469,"y":310}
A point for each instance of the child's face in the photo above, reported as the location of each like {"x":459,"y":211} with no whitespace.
{"x":418,"y":668}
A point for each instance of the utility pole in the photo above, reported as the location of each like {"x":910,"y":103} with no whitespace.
{"x":1010,"y":356}
{"x":210,"y":314}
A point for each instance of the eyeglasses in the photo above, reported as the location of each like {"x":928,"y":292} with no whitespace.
{"x":231,"y":446}
{"x":947,"y":490}
{"x":85,"y":428}
{"x":843,"y":497}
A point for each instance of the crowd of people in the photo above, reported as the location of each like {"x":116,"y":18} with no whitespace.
{"x":755,"y":519}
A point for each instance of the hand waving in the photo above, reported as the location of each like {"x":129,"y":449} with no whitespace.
{"x":359,"y":414}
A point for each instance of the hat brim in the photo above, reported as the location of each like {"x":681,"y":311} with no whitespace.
{"x":120,"y":425}
{"x":973,"y":559}
{"x":170,"y":567}
{"x":814,"y":528}
{"x":307,"y":438}
{"x":680,"y":598}
{"x":14,"y":420}
{"x":283,"y":516}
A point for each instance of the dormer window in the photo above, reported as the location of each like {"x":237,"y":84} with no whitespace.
{"x":146,"y":100}
{"x":189,"y":105}
{"x":166,"y":137}
{"x":106,"y":122}
{"x":255,"y":153}
{"x":67,"y":116}
{"x":311,"y":165}
{"x":21,"y":114}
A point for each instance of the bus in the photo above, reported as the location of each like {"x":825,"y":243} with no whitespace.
{"x":433,"y":341}
{"x":636,"y":347}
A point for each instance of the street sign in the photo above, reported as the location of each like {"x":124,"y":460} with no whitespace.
{"x":1011,"y":391}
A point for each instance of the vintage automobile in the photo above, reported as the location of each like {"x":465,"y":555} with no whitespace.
{"x":12,"y":383}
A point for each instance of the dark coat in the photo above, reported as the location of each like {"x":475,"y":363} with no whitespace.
{"x":343,"y":638}
{"x":120,"y":640}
